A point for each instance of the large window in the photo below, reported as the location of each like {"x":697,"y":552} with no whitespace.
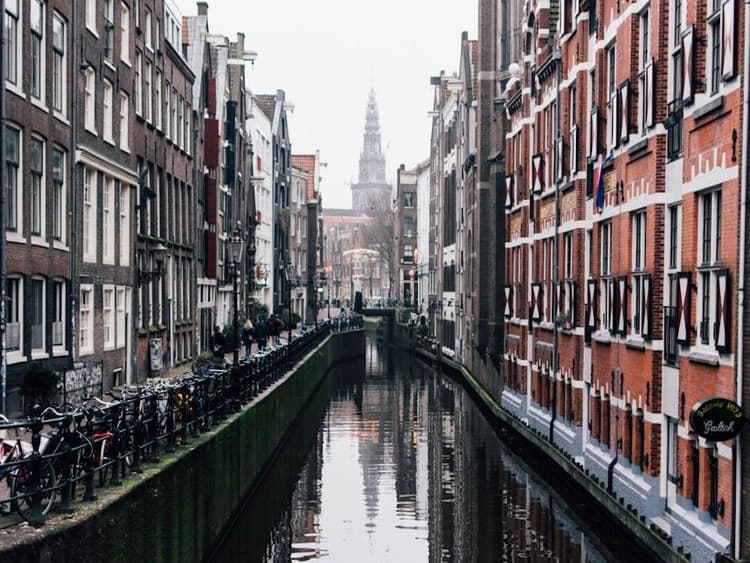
{"x":644,"y":56}
{"x":409,"y":229}
{"x":710,"y":294}
{"x":58,"y":313}
{"x":59,"y":65}
{"x":124,"y":229}
{"x":606,"y":289}
{"x":108,"y":316}
{"x":107,"y":111}
{"x":90,"y":100}
{"x":14,"y":320}
{"x":640,"y":277}
{"x":714,"y":43}
{"x":86,"y":320}
{"x":58,"y":195}
{"x":124,"y":123}
{"x":149,"y":93}
{"x":674,"y":236}
{"x":148,"y":24}
{"x":109,"y":29}
{"x":12,"y":51}
{"x":138,"y":86}
{"x":125,"y":33}
{"x":159,"y":102}
{"x":121,"y":309}
{"x":167,"y":110}
{"x":108,"y":220}
{"x":37,"y":49}
{"x":91,"y":15}
{"x":37,"y":310}
{"x":89,"y":215}
{"x":12,"y":172}
{"x":37,"y":187}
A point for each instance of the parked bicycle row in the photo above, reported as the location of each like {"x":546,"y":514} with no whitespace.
{"x":61,"y":455}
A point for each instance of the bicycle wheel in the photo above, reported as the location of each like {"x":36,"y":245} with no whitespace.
{"x":20,"y":486}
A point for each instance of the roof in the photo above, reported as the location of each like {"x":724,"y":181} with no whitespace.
{"x":306,"y":162}
{"x":266,"y":103}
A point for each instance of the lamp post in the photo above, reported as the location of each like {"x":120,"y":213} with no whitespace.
{"x":235,"y":250}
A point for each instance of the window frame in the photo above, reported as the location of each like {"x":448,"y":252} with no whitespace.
{"x":108,"y":111}
{"x":109,"y":321}
{"x":38,"y":188}
{"x":59,"y":196}
{"x":13,"y":169}
{"x":59,"y":65}
{"x":38,"y":51}
{"x":86,"y":327}
{"x":15,"y":316}
{"x":89,"y":109}
{"x":38,"y":283}
{"x":13,"y":42}
{"x":125,"y":33}
{"x":89,"y":213}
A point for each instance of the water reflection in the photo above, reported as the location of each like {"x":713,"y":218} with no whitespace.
{"x":402,"y":467}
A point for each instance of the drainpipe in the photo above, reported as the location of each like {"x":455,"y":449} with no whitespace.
{"x":73,"y":76}
{"x":737,"y":449}
{"x":557,"y":58}
{"x":3,"y":272}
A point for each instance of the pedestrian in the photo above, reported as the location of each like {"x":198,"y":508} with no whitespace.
{"x":261,"y":333}
{"x":247,"y":336}
{"x":218,"y":343}
{"x":274,"y":328}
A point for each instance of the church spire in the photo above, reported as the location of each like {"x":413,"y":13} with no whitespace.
{"x":371,"y":159}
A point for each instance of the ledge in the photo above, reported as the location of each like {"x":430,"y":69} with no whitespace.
{"x":704,"y":357}
{"x":605,"y":339}
{"x":635,"y":344}
{"x":712,"y":105}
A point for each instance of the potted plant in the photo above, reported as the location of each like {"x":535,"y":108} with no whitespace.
{"x":39,"y":383}
{"x":563,"y":320}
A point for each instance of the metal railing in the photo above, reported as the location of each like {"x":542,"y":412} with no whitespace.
{"x":60,"y":456}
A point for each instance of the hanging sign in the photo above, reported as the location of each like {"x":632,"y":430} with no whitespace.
{"x":717,"y":419}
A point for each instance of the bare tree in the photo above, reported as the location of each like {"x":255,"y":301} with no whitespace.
{"x":379,"y":234}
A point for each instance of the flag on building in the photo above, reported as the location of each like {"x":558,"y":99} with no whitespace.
{"x":600,"y":184}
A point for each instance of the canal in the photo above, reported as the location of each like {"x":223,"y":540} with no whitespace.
{"x":393,"y":461}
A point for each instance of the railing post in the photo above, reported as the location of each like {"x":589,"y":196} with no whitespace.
{"x":137,"y":436}
{"x":35,"y":517}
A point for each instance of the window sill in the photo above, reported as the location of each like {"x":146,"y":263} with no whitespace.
{"x":704,"y":356}
{"x":59,"y":245}
{"x":110,"y":65}
{"x":15,"y":358}
{"x":36,"y":102}
{"x":60,"y":117}
{"x":635,"y":343}
{"x":714,"y":104}
{"x":12,"y":236}
{"x":37,"y":240}
{"x":89,"y":259}
{"x":92,"y":130}
{"x":85,"y":352}
{"x":110,"y":141}
{"x":108,"y":348}
{"x":602,"y":337}
{"x":125,"y":149}
{"x":10,"y":87}
{"x":92,"y":31}
{"x":39,"y":355}
{"x":59,"y":352}
{"x":126,"y":62}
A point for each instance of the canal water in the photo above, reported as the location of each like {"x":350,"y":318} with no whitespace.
{"x":393,"y":461}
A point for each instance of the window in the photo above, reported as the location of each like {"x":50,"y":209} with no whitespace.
{"x":107,"y":111}
{"x":89,"y":215}
{"x":149,"y":93}
{"x":37,"y":315}
{"x":91,"y":15}
{"x":124,"y":123}
{"x":125,"y":33}
{"x":86,"y":320}
{"x":644,"y":56}
{"x":12,"y":52}
{"x":108,"y":220}
{"x":108,"y":317}
{"x":611,"y":69}
{"x":612,"y":133}
{"x":124,"y":230}
{"x":606,"y":290}
{"x":568,"y":246}
{"x":58,"y":195}
{"x":173,"y":117}
{"x":408,"y":199}
{"x":677,"y":70}
{"x":37,"y":187}
{"x":409,"y":226}
{"x":14,"y":321}
{"x":188,"y":137}
{"x":90,"y":100}
{"x":167,"y":110}
{"x":138,"y":83}
{"x":714,"y":42}
{"x":58,"y":314}
{"x":408,"y":254}
{"x":148,"y":29}
{"x":640,"y":278}
{"x":711,"y":277}
{"x":59,"y":81}
{"x":12,"y":171}
{"x":674,"y":236}
{"x":121,"y":307}
{"x":37,"y":49}
{"x":158,"y":105}
{"x":179,"y":122}
{"x":109,"y":29}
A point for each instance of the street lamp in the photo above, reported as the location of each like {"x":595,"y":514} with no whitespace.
{"x":147,"y":276}
{"x":235,"y":252}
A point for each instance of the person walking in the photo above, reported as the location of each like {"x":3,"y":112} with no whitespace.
{"x":218,"y":343}
{"x":261,"y":333}
{"x":247,"y":336}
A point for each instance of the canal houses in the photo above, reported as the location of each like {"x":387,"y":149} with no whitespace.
{"x":622,"y":204}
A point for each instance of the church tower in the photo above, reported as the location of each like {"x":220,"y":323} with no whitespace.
{"x":371,"y":192}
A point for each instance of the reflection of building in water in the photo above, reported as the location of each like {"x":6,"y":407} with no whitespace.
{"x":305,"y":512}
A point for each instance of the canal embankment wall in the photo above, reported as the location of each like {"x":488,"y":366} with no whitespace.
{"x":179,"y":507}
{"x":555,"y":465}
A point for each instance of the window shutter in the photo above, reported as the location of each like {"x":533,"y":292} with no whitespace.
{"x":721,"y":325}
{"x":625,"y":112}
{"x":537,"y":164}
{"x":622,"y":301}
{"x":646,"y":308}
{"x":508,"y":191}
{"x":573,"y":150}
{"x":683,"y":308}
{"x":612,"y":308}
{"x":591,"y":302}
{"x":728,"y":38}
{"x":558,"y":299}
{"x":688,"y":67}
{"x":650,"y":95}
{"x":508,"y":301}
{"x":536,"y":302}
{"x":570,"y":300}
{"x":593,"y":134}
{"x":560,"y":159}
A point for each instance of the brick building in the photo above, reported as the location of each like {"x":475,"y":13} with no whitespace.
{"x":622,"y":206}
{"x":405,"y":236}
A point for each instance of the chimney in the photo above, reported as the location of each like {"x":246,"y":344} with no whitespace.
{"x":240,"y":44}
{"x":202,"y":8}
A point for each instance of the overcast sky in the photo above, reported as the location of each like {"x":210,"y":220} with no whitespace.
{"x":326,"y":53}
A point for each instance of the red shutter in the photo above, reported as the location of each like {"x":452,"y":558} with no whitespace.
{"x":210,"y":237}
{"x":211,"y":143}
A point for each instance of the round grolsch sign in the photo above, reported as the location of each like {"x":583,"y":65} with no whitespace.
{"x":717,"y":419}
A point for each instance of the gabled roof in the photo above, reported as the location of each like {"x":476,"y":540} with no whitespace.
{"x":267,"y":104}
{"x":306,"y":162}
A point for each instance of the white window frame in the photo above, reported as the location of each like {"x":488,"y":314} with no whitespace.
{"x":148,"y":31}
{"x":59,"y":312}
{"x":709,"y":265}
{"x":91,"y":16}
{"x":158,"y":104}
{"x":39,"y":87}
{"x":59,"y":66}
{"x":638,"y":267}
{"x":714,"y":47}
{"x":125,"y":33}
{"x":124,"y":228}
{"x":606,"y":277}
{"x":86,"y":320}
{"x":167,"y":110}
{"x":90,"y":100}
{"x":59,"y":197}
{"x":14,"y":316}
{"x":124,"y":122}
{"x":108,"y":220}
{"x":14,"y":43}
{"x":89,"y":214}
{"x":121,"y":306}
{"x":644,"y":56}
{"x":149,"y":76}
{"x":108,"y":26}
{"x":38,"y":352}
{"x":138,"y":85}
{"x":15,"y":170}
{"x":38,"y":232}
{"x":108,"y":111}
{"x":108,"y":317}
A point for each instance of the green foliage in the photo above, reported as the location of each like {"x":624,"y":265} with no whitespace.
{"x":258,"y":309}
{"x":40,"y":382}
{"x":207,"y":359}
